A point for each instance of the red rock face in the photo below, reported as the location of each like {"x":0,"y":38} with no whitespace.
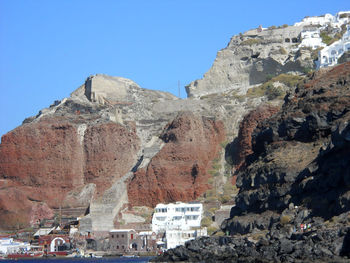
{"x":243,"y":147}
{"x":43,"y":161}
{"x":110,"y":152}
{"x":179,"y":171}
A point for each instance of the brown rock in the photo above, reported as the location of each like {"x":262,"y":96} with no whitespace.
{"x":47,"y":160}
{"x":243,"y":145}
{"x":179,"y":171}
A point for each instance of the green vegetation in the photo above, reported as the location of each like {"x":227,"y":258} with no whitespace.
{"x":327,"y":39}
{"x":223,"y":144}
{"x":271,"y":27}
{"x":272,"y":92}
{"x":211,"y":230}
{"x":206,"y":221}
{"x":250,"y":42}
{"x":213,"y":210}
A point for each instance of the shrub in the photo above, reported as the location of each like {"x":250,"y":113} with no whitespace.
{"x":211,"y":230}
{"x":283,"y":51}
{"x":250,"y":42}
{"x":273,"y":92}
{"x":225,"y":199}
{"x":285,"y":220}
{"x":213,"y":210}
{"x":206,"y":221}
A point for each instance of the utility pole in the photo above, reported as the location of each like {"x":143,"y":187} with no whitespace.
{"x":178,"y":86}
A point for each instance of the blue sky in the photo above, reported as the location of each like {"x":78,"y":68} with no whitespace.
{"x":49,"y":47}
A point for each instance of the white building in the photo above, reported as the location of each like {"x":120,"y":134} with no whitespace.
{"x":176,"y":238}
{"x":9,"y":246}
{"x":311,"y":38}
{"x":177,"y":216}
{"x":316,"y":20}
{"x":180,"y":222}
{"x":329,"y":55}
{"x":335,"y":21}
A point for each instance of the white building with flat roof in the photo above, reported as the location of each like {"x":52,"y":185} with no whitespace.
{"x":338,"y":20}
{"x":180,"y":215}
{"x":180,"y":222}
{"x":310,"y":37}
{"x":329,"y":55}
{"x":9,"y":246}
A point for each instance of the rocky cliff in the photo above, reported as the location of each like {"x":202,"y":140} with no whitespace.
{"x":252,"y":57}
{"x":179,"y":171}
{"x":113,"y":144}
{"x":294,"y":198}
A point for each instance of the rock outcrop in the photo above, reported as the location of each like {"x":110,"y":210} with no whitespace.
{"x":320,"y":245}
{"x":241,"y":147}
{"x":179,"y":171}
{"x":294,"y":199}
{"x":250,"y":58}
{"x":54,"y":161}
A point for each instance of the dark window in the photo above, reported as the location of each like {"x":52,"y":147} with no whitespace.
{"x":122,"y":247}
{"x":112,"y":236}
{"x":117,"y":247}
{"x":117,"y":236}
{"x":122,"y":235}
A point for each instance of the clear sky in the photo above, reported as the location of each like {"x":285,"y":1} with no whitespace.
{"x":49,"y":47}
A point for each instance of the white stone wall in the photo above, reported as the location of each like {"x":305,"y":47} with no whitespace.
{"x":176,"y":238}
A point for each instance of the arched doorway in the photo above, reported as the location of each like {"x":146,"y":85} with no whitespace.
{"x":134,"y":246}
{"x":56,"y":243}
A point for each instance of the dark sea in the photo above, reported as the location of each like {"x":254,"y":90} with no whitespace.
{"x":81,"y":260}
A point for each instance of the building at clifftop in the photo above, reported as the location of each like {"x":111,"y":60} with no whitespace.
{"x":329,"y":55}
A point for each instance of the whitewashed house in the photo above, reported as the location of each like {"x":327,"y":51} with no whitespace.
{"x":329,"y":55}
{"x":9,"y":246}
{"x":310,"y":37}
{"x":316,"y":20}
{"x":177,"y":216}
{"x":180,"y":222}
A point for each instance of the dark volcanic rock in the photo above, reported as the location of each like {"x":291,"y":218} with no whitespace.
{"x":293,"y":204}
{"x":243,"y":249}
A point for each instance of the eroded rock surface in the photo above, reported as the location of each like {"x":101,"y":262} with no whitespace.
{"x":180,"y":170}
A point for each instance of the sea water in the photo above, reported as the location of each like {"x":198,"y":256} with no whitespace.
{"x":81,"y":260}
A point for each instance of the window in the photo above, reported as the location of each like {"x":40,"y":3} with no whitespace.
{"x":117,"y":247}
{"x":117,"y":236}
{"x":112,"y":236}
{"x":122,"y":235}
